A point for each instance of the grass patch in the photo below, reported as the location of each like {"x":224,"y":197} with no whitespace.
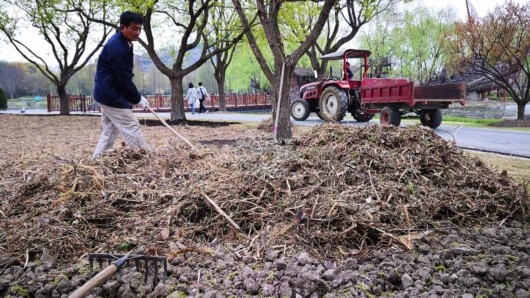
{"x":517,"y":168}
{"x":470,"y":120}
{"x":26,"y":102}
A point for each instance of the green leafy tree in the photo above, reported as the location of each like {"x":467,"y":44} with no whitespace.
{"x":223,"y":28}
{"x":3,"y":100}
{"x":343,"y":25}
{"x":245,"y":69}
{"x":69,"y":34}
{"x":423,"y":51}
{"x":378,"y":38}
{"x":414,"y":41}
{"x":498,"y":47}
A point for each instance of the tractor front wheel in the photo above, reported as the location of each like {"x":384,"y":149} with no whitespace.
{"x":333,"y":104}
{"x":390,"y":116}
{"x":300,"y":110}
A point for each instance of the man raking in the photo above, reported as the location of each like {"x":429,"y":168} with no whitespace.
{"x":114,"y":88}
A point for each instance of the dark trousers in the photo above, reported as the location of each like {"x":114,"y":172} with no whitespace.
{"x":201,"y":107}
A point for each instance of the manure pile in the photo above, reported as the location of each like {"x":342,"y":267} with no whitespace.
{"x":337,"y":192}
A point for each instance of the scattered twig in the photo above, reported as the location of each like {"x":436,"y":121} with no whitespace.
{"x":221,"y":211}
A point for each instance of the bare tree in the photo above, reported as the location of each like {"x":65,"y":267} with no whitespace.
{"x":10,"y":77}
{"x":73,"y":38}
{"x":348,"y":16}
{"x":498,"y":47}
{"x":188,"y":19}
{"x":279,"y":74}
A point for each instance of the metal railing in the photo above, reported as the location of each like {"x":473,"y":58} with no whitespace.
{"x":162,"y":103}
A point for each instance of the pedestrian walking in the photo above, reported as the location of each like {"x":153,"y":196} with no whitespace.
{"x":203,"y":95}
{"x":192,"y":97}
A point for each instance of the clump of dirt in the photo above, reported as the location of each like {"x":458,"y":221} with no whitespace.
{"x":266,"y":125}
{"x":511,"y":123}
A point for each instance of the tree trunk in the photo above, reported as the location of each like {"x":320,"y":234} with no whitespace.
{"x":64,"y":106}
{"x":284,"y":120}
{"x":177,"y":99}
{"x":520,"y":110}
{"x":221,"y":87}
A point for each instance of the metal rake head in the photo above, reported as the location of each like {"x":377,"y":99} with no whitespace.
{"x":126,"y":260}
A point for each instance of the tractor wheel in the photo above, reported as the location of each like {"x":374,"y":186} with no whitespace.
{"x":333,"y":104}
{"x":431,"y":118}
{"x":362,"y":116}
{"x":390,"y":116}
{"x":300,"y":110}
{"x":319,"y":116}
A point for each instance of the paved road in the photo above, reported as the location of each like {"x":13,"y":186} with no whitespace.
{"x":490,"y":140}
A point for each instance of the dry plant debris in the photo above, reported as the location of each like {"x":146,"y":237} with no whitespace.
{"x":337,"y":191}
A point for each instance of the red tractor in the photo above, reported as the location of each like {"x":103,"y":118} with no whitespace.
{"x":364,"y":97}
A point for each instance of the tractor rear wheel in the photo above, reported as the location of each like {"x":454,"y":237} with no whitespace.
{"x":362,"y":116}
{"x":431,"y":118}
{"x":300,"y":110}
{"x":333,"y":104}
{"x":390,"y":116}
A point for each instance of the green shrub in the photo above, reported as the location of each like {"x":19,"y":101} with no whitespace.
{"x":3,"y":100}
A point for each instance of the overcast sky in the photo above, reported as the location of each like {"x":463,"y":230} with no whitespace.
{"x":8,"y":53}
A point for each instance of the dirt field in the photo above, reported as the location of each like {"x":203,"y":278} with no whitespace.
{"x":342,"y":212}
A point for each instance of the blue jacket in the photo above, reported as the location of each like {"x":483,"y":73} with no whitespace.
{"x":113,"y":83}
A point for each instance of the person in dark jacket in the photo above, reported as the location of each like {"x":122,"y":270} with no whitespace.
{"x":350,"y":73}
{"x":203,"y":95}
{"x":114,"y":88}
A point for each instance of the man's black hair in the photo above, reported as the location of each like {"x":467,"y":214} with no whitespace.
{"x":200,"y":83}
{"x":129,"y":17}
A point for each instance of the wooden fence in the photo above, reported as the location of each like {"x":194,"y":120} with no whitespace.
{"x":162,"y":103}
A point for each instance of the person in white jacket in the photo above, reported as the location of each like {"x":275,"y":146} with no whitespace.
{"x":192,"y":97}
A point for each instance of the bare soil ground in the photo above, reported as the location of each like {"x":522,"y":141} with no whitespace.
{"x":512,"y":123}
{"x":341,"y":212}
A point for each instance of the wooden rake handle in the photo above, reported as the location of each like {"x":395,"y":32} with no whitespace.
{"x":94,"y":281}
{"x":99,"y":278}
{"x":173,"y":130}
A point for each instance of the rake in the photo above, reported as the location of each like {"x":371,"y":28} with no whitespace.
{"x":173,"y":130}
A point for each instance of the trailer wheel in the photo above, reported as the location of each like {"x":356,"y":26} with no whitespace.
{"x":300,"y":110}
{"x":333,"y":104}
{"x":431,"y":118}
{"x":390,"y":116}
{"x":362,"y":116}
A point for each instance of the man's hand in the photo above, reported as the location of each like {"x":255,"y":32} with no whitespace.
{"x":143,"y":103}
